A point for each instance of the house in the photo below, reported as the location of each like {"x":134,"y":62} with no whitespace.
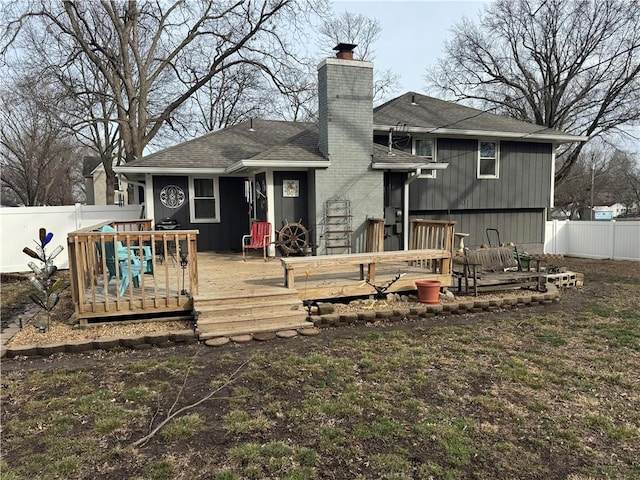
{"x":412,"y":157}
{"x":96,"y":185}
{"x":608,"y":212}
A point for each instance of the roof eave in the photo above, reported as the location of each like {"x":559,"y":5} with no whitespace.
{"x":243,"y":164}
{"x":409,"y":166}
{"x":170,"y":170}
{"x":555,"y":138}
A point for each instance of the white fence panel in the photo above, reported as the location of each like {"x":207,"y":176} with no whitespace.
{"x":556,"y":238}
{"x":618,"y":240}
{"x":626,"y":241}
{"x":19,"y":227}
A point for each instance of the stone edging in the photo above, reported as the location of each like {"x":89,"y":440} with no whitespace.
{"x":441,"y":309}
{"x":138,"y":342}
{"x":187,"y":337}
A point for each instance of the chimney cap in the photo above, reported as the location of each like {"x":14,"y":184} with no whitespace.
{"x":345,"y":47}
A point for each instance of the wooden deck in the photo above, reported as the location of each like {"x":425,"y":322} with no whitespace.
{"x":224,"y":275}
{"x":226,"y":294}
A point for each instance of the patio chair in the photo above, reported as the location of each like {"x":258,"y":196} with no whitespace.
{"x":123,"y":260}
{"x":260,"y":237}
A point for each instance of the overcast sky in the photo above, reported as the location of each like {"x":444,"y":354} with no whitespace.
{"x":413,"y":33}
{"x":413,"y":36}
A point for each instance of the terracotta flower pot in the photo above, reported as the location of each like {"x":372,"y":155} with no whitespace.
{"x":428,"y":291}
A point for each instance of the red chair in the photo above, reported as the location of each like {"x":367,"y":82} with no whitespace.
{"x":260,"y":238}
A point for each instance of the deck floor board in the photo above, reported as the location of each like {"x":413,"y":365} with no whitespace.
{"x":226,"y":276}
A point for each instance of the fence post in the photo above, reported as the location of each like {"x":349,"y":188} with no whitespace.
{"x":613,"y":239}
{"x":78,"y":215}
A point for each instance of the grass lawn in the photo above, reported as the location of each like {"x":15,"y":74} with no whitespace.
{"x":548,"y":392}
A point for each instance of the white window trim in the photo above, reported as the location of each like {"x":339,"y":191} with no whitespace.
{"x":427,"y":173}
{"x":216,"y":196}
{"x":497,"y":158}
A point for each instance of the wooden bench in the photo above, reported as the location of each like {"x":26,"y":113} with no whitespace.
{"x":369,"y":259}
{"x":495,"y":268}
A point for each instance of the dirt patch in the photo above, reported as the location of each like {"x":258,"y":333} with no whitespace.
{"x":541,"y":392}
{"x":14,"y":296}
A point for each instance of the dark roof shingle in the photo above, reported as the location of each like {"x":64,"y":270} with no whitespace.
{"x":416,"y":110}
{"x":223,"y":148}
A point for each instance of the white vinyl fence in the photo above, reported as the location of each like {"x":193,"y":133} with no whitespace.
{"x":19,"y":227}
{"x":617,"y":240}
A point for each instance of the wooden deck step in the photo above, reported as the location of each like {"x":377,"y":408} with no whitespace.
{"x":249,"y":312}
{"x":251,"y":326}
{"x":252,"y":308}
{"x":246,"y":297}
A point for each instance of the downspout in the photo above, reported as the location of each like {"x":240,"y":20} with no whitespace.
{"x":405,"y":207}
{"x":143,"y":212}
{"x":413,"y":176}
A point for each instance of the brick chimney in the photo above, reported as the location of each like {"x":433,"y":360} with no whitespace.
{"x":345,"y":50}
{"x":345,"y":127}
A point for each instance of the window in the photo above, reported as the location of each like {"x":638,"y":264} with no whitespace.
{"x":204,"y":200}
{"x":488,"y":160}
{"x":425,"y":148}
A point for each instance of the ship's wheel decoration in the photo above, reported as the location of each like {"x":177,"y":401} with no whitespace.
{"x":172,"y":196}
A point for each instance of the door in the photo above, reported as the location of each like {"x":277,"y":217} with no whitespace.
{"x":171,"y":199}
{"x":393,"y":210}
{"x":290,"y":202}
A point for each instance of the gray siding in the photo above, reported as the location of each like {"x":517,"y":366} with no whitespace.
{"x":234,"y":214}
{"x":524,"y":178}
{"x":515,"y":203}
{"x":525,"y":228}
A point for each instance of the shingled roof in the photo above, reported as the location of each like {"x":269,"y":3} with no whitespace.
{"x":269,"y":142}
{"x":249,"y":140}
{"x":432,"y":115}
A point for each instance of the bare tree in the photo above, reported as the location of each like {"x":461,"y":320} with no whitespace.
{"x":600,"y":176}
{"x":624,"y":180}
{"x":573,"y":66}
{"x":237,"y":94}
{"x":40,"y":159}
{"x":360,"y":30}
{"x":154,"y":56}
{"x":355,"y":28}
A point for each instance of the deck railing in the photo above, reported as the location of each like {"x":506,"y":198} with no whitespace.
{"x":133,"y":270}
{"x":434,"y":234}
{"x":375,"y":235}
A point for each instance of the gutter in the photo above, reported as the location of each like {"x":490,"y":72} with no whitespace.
{"x":165,"y":170}
{"x":549,"y":137}
{"x":242,"y":164}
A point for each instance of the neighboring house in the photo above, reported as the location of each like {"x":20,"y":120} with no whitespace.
{"x":412,"y":157}
{"x":96,"y":185}
{"x":607,"y":212}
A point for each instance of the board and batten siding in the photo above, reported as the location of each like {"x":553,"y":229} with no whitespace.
{"x":524,"y":178}
{"x":525,"y":228}
{"x":224,"y":235}
{"x":515,"y":203}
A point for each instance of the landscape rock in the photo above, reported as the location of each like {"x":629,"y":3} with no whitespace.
{"x":287,"y":334}
{"x":216,"y":342}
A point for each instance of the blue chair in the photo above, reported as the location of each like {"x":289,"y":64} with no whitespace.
{"x":147,"y":257}
{"x":124,"y":257}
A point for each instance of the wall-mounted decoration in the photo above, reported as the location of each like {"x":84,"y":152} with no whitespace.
{"x":172,"y":196}
{"x":290,"y":188}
